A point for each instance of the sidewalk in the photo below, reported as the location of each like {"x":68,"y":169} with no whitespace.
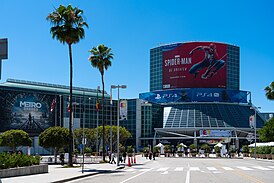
{"x":59,"y":174}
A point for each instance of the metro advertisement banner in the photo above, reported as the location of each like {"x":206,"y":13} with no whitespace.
{"x":194,"y":65}
{"x":25,"y":111}
{"x":195,"y":95}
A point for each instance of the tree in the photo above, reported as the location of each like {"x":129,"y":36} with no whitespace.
{"x":124,"y":135}
{"x":89,"y":135}
{"x":15,"y":138}
{"x":100,"y":58}
{"x":266,"y":133}
{"x":54,"y":137}
{"x":270,"y":91}
{"x":68,"y":28}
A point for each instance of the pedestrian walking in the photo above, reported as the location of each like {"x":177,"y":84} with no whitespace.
{"x":109,"y":157}
{"x":124,"y":156}
{"x":112,"y":158}
{"x":62,"y":158}
{"x":150,"y":155}
{"x":154,"y":155}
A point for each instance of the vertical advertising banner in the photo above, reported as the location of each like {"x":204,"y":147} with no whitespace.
{"x":123,"y":109}
{"x":195,"y":65}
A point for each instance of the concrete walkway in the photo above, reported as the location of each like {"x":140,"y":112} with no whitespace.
{"x":57,"y":173}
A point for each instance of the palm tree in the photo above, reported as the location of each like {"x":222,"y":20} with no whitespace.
{"x":270,"y":91}
{"x":100,"y":58}
{"x":68,"y":28}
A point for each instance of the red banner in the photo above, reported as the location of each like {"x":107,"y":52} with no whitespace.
{"x":195,"y":65}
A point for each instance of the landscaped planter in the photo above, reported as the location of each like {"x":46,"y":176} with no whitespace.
{"x":268,"y":156}
{"x":28,"y":170}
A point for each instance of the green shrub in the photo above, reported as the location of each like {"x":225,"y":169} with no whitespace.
{"x":232,"y":149}
{"x":217,"y":149}
{"x":206,"y":148}
{"x":267,"y":149}
{"x":193,"y":148}
{"x":259,"y":150}
{"x":129,"y":149}
{"x":87,"y":150}
{"x":245,"y":149}
{"x":17,"y":160}
{"x":156,"y":149}
{"x":272,"y":150}
{"x":167,"y":148}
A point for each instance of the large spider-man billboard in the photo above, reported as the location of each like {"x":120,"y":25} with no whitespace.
{"x":194,"y":65}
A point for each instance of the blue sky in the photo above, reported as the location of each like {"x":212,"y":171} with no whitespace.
{"x":131,"y":28}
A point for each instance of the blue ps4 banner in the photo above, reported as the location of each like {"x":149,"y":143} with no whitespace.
{"x":195,"y":95}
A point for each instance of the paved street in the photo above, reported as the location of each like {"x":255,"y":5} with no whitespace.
{"x":189,"y":170}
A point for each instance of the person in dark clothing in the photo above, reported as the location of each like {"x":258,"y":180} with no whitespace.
{"x":124,"y":156}
{"x":150,"y":155}
{"x":154,"y":155}
{"x":62,"y":158}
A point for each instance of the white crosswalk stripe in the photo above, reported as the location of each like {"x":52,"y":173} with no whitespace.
{"x":194,"y":168}
{"x":162,"y":169}
{"x":261,"y":168}
{"x":227,"y":168}
{"x":165,"y":170}
{"x":244,"y":168}
{"x":179,"y":169}
{"x":211,"y":168}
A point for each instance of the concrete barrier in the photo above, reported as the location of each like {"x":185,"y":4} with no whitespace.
{"x":28,"y":170}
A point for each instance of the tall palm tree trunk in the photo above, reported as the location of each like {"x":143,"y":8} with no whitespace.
{"x":71,"y":109}
{"x":103,"y":117}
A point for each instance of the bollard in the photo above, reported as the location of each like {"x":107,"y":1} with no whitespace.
{"x":129,"y":164}
{"x":134,"y":160}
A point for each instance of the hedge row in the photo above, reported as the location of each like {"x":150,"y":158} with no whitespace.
{"x":8,"y":160}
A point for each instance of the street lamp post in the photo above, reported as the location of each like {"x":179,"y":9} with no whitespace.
{"x":118,"y":117}
{"x":97,"y":124}
{"x":110,"y":120}
{"x":255,"y":128}
{"x":83,"y":139}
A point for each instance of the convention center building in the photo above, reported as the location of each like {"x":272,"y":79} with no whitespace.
{"x":197,"y":86}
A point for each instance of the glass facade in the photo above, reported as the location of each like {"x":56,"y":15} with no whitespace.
{"x":233,"y":67}
{"x":155,"y":69}
{"x":29,"y":106}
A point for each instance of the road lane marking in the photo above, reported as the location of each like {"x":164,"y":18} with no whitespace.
{"x":166,"y":172}
{"x":188,"y":174}
{"x":227,"y":168}
{"x":162,"y":169}
{"x":179,"y":169}
{"x":211,"y":168}
{"x":194,"y":168}
{"x":261,"y":168}
{"x":136,"y":175}
{"x":244,"y":168}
